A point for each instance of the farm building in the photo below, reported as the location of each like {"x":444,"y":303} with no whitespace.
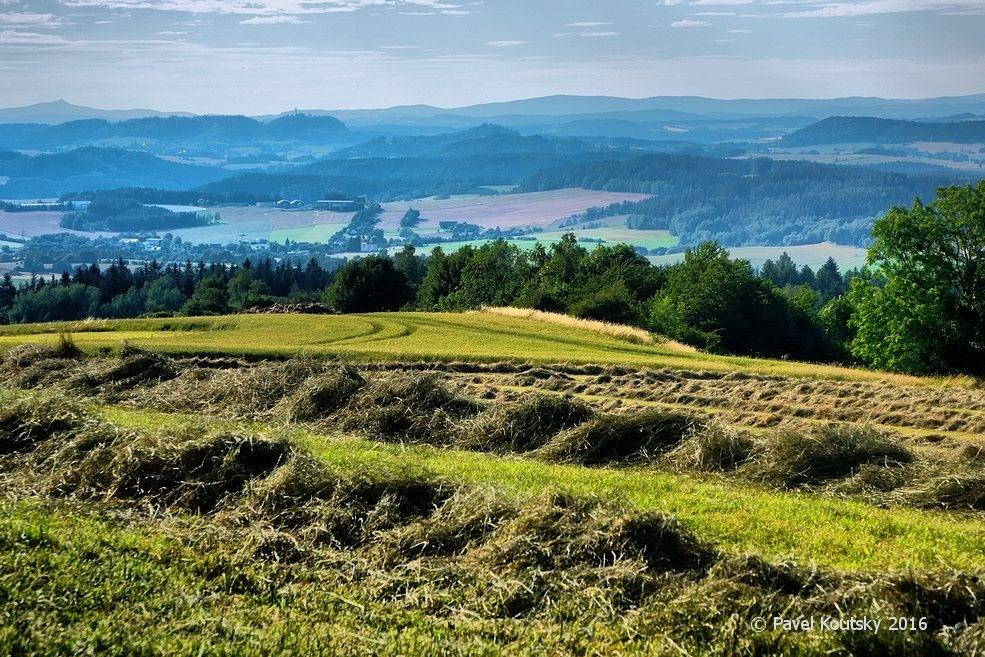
{"x":339,"y":205}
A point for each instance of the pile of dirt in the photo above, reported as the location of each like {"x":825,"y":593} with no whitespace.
{"x":294,"y":308}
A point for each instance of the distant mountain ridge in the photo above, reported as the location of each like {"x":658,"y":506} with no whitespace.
{"x":173,"y":129}
{"x":565,"y":105}
{"x":60,"y":111}
{"x":865,"y":129}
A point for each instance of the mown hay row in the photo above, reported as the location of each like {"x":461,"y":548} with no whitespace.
{"x":411,"y":541}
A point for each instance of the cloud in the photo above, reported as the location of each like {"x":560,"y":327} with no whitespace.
{"x":273,"y":20}
{"x":739,"y":31}
{"x":587,"y":24}
{"x":270,"y":7}
{"x":873,"y":7}
{"x":850,"y":8}
{"x":171,"y":33}
{"x":505,"y":44}
{"x":27,"y":19}
{"x":687,"y":22}
{"x":18,"y":38}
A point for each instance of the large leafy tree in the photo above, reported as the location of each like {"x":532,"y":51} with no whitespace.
{"x":720,"y":304}
{"x":369,"y":284}
{"x":929,"y":315}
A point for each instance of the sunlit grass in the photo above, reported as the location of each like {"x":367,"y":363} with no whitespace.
{"x":737,"y":517}
{"x":479,"y":337}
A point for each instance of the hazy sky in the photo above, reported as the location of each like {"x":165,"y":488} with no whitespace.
{"x":256,"y":56}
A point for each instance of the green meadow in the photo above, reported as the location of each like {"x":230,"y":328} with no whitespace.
{"x":473,"y":336}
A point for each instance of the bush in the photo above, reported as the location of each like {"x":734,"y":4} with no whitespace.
{"x":610,"y":304}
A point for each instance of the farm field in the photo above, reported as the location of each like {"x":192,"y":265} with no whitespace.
{"x":477,"y":336}
{"x":249,"y":223}
{"x":542,"y":209}
{"x":32,"y":224}
{"x":812,"y":255}
{"x":402,"y":483}
{"x":506,"y":211}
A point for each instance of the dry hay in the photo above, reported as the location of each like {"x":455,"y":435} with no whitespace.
{"x":954,"y":491}
{"x":524,"y":425}
{"x":24,"y":423}
{"x":413,"y":542}
{"x":321,"y":396}
{"x":621,"y":437}
{"x":420,"y":409}
{"x":115,"y":378}
{"x":795,"y":458}
{"x":712,"y":447}
{"x":252,"y":392}
{"x":35,"y":366}
{"x":620,"y":331}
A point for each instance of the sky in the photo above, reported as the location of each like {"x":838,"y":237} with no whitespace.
{"x":266,"y":56}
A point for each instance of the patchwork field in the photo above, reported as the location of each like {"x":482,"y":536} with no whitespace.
{"x":506,"y":211}
{"x":497,"y":482}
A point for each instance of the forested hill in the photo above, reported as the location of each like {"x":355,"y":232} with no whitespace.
{"x":864,"y":129}
{"x":482,"y":140}
{"x":746,"y":201}
{"x":174,"y":129}
{"x":385,"y":179}
{"x":95,"y":168}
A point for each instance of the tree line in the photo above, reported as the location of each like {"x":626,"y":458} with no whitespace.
{"x":919,"y":305}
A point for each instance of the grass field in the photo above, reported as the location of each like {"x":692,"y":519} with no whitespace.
{"x":484,"y":337}
{"x":314,"y":234}
{"x":471,"y":486}
{"x":741,"y":518}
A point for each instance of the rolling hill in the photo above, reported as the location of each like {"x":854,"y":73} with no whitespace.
{"x":867,"y":129}
{"x":95,"y":168}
